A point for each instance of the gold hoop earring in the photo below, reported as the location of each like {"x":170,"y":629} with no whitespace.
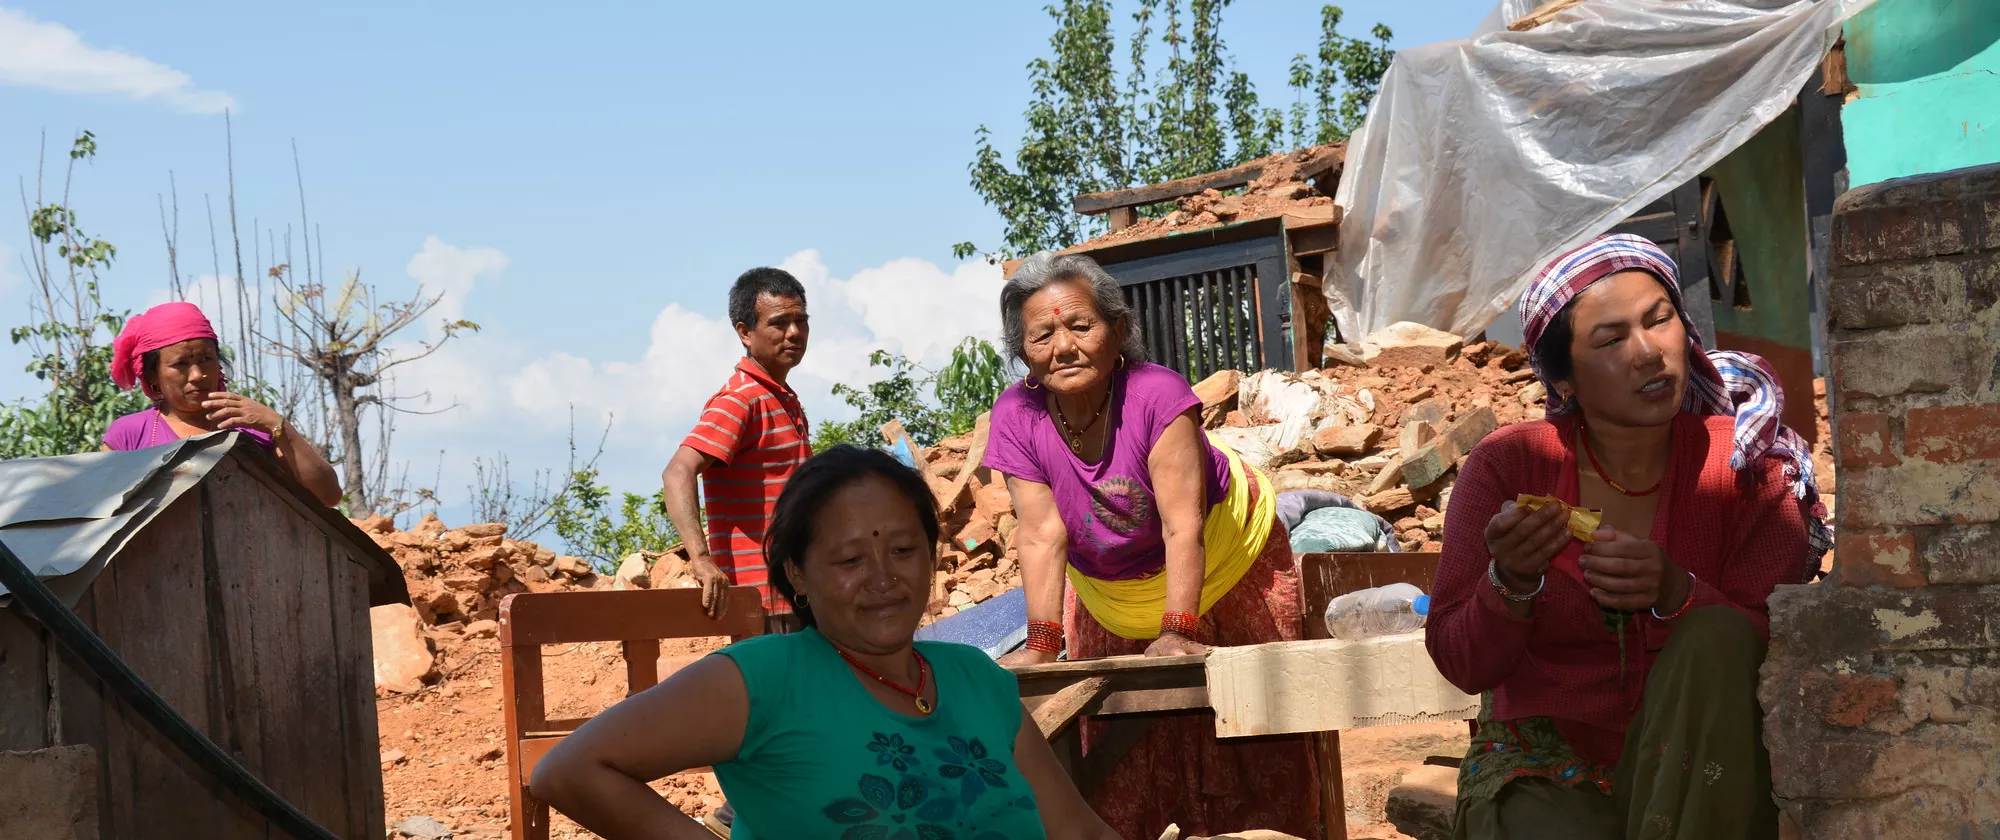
{"x":1031,"y":384}
{"x":1121,"y":361}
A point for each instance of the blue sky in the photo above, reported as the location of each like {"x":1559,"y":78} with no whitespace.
{"x":583,"y":179}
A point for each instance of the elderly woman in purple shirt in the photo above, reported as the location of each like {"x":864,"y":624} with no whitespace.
{"x":1168,"y":542}
{"x":171,"y":352}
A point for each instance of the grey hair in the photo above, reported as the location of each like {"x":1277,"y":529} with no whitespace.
{"x":1037,"y":272}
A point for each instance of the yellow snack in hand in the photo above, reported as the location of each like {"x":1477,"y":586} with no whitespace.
{"x":1582,"y":521}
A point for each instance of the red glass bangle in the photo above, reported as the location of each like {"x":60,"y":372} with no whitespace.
{"x":1045,"y":636}
{"x":1684,"y":604}
{"x":1178,"y":622}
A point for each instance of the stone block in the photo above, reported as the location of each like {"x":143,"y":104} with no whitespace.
{"x":1430,"y":463}
{"x":403,"y":659}
{"x":1424,"y":804}
{"x":50,"y":794}
{"x":1920,"y":493}
{"x":1849,"y":701}
{"x":1905,"y":363}
{"x":1887,"y":560}
{"x":1346,"y":440}
{"x":1923,"y":216}
{"x":1963,"y":554}
{"x":1865,"y":440}
{"x":1947,"y":434}
{"x":1407,"y":344}
{"x":1923,"y":292}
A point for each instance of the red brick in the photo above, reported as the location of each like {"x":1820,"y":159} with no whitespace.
{"x":1865,"y":440}
{"x":1918,"y":492}
{"x":1950,"y":434}
{"x":1887,"y":560}
{"x":1849,"y":701}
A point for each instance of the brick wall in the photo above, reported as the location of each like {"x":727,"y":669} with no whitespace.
{"x":1882,"y":687}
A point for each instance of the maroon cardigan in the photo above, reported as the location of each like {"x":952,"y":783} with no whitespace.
{"x":1740,"y":534}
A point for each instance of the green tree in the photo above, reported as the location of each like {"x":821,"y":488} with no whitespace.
{"x":1086,"y":131}
{"x":603,"y":527}
{"x":68,"y":334}
{"x":958,"y":392}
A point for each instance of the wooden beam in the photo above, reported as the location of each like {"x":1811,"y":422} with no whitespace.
{"x":560,"y":618}
{"x":1542,"y":14}
{"x":1063,"y":708}
{"x":1318,"y":239}
{"x":1124,"y":217}
{"x":1136,"y":684}
{"x":1091,"y":204}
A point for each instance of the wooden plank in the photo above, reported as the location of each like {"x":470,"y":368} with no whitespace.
{"x":1542,"y":14}
{"x":79,"y":700}
{"x":556,"y":618}
{"x":1325,"y":577}
{"x":286,"y":655}
{"x":230,"y":667}
{"x":1089,"y":204}
{"x":1383,"y":681}
{"x":1065,"y":705}
{"x":360,"y":736}
{"x":1332,"y":789}
{"x":1137,"y":684}
{"x":116,"y":820}
{"x":241,"y":553}
{"x":642,"y":665}
{"x":1107,"y":665}
{"x":158,"y":574}
{"x":24,"y":670}
{"x":521,"y":710}
{"x":981,"y":428}
{"x":1319,"y":239}
{"x":1123,"y":217}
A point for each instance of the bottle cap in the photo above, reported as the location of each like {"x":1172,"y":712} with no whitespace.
{"x":1421,"y":604}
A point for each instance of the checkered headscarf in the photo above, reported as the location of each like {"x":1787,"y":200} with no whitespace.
{"x":1740,"y":385}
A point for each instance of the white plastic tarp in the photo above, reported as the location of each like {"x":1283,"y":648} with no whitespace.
{"x":1484,"y":158}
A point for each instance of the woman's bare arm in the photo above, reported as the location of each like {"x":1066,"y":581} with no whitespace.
{"x":1178,"y":481}
{"x":1044,"y":544}
{"x":598,"y":776}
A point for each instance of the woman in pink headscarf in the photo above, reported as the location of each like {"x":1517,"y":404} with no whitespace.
{"x":171,"y":351}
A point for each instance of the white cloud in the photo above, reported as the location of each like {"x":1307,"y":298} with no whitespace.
{"x":449,"y":272}
{"x":52,"y":57}
{"x":517,"y":397}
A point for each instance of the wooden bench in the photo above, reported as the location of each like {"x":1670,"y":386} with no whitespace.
{"x":637,"y":619}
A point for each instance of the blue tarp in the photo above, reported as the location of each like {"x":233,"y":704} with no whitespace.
{"x":997,"y":625}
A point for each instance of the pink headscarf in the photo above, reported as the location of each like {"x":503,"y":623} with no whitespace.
{"x":160,"y":326}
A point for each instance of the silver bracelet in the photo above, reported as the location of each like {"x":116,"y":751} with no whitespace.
{"x":1493,"y":577}
{"x":1692,"y":580}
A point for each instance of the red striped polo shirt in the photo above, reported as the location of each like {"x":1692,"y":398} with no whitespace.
{"x":755,"y":429}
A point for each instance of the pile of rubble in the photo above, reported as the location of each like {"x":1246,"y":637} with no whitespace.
{"x":1279,"y":190}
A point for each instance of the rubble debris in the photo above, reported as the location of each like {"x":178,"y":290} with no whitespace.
{"x":422,"y":828}
{"x":1406,"y":344}
{"x":403,"y":656}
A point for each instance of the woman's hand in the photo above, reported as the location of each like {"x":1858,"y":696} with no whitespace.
{"x":1631,"y":574}
{"x":233,"y":411}
{"x":1025,"y":656}
{"x":1174,"y":644}
{"x":1522,"y":542}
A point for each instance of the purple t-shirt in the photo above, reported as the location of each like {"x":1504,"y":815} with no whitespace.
{"x":1108,"y":507}
{"x":147,"y":428}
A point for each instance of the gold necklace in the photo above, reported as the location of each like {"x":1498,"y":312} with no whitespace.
{"x":1075,"y":436}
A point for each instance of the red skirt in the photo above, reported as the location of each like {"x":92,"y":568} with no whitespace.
{"x":1179,"y":772}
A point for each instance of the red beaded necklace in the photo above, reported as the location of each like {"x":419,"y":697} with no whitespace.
{"x":1583,"y":435}
{"x":923,"y":674}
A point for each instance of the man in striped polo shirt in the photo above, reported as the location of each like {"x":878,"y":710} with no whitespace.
{"x":751,"y":436}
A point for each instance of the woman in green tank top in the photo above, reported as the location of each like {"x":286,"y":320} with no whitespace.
{"x":849,"y":729}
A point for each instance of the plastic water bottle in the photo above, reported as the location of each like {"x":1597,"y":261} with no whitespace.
{"x":1382,"y":611}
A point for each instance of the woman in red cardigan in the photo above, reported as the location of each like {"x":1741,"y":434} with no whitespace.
{"x":1619,"y":628}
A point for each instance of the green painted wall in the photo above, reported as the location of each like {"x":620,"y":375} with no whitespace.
{"x":1764,"y":198}
{"x":1929,"y":79}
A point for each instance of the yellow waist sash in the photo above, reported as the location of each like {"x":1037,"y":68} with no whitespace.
{"x":1232,"y":536}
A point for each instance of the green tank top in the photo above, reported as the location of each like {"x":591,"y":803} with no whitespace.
{"x":821,"y":757}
